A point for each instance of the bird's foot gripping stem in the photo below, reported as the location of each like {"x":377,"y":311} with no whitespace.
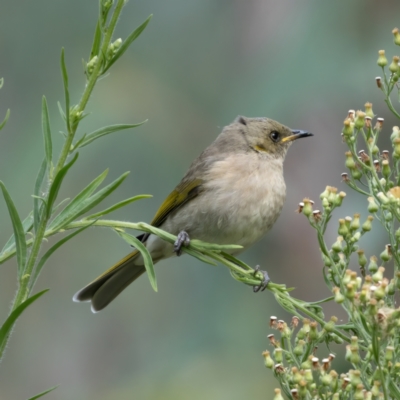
{"x":183,"y":239}
{"x":265,"y":281}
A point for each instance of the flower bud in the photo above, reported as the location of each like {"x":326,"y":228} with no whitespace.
{"x":355,"y":238}
{"x":339,"y":298}
{"x":378,"y":275}
{"x":278,"y":395}
{"x":367,"y":226}
{"x":326,"y":379}
{"x":368,"y":110}
{"x":386,"y":169}
{"x":373,"y":266}
{"x":356,"y":174}
{"x":394,"y":65}
{"x":396,"y":148}
{"x":382,"y":60}
{"x":308,"y":376}
{"x":386,"y":254}
{"x":362,"y":260}
{"x":268,"y":361}
{"x":339,"y":198}
{"x":391,"y":289}
{"x":313,"y":334}
{"x":360,"y":119}
{"x":388,"y":216}
{"x":372,"y":206}
{"x":350,"y":163}
{"x":389,"y":353}
{"x":330,"y":325}
{"x":395,"y":133}
{"x":299,"y":348}
{"x":91,"y":65}
{"x":325,"y":204}
{"x":355,"y":223}
{"x":278,"y":355}
{"x":337,"y":246}
{"x":343,"y":229}
{"x":375,"y":389}
{"x":383,"y":199}
{"x":348,"y":128}
{"x":396,"y":35}
{"x":359,"y":392}
{"x":307,"y":209}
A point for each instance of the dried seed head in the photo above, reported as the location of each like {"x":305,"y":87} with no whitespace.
{"x":271,"y":338}
{"x":300,"y":209}
{"x":379,"y":123}
{"x":378,"y":81}
{"x":326,"y":364}
{"x":295,"y":321}
{"x":315,"y":362}
{"x":317,"y":215}
{"x":272,"y":321}
{"x":385,"y":154}
{"x":279,"y":369}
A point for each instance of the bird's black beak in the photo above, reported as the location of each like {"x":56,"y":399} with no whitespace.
{"x":297,"y":134}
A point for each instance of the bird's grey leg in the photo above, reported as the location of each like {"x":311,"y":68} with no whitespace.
{"x":264,"y":283}
{"x":183,"y":239}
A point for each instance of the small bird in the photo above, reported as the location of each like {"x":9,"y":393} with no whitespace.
{"x":232,"y":194}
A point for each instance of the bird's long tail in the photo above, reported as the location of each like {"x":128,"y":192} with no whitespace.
{"x":104,"y":289}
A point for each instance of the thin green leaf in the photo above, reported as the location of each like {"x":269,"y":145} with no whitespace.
{"x":211,"y":246}
{"x":18,"y":230}
{"x":10,"y":321}
{"x":61,"y":110}
{"x":72,"y":209}
{"x":55,"y":186}
{"x":78,"y":143}
{"x":134,"y":35}
{"x":96,"y":41}
{"x":80,"y":207}
{"x":49,"y":252}
{"x":2,"y":125}
{"x":38,"y":396}
{"x":200,"y":256}
{"x":62,"y":202}
{"x":27,"y":224}
{"x":66,"y":90}
{"x":148,"y":262}
{"x":122,"y":203}
{"x":236,"y":261}
{"x":105,"y":131}
{"x":48,"y":147}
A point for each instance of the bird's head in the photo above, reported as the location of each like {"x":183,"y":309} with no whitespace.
{"x":266,"y":136}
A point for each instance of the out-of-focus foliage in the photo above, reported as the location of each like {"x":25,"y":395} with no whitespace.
{"x":199,"y":65}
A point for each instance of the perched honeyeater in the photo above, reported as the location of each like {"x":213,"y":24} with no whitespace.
{"x":231,"y":194}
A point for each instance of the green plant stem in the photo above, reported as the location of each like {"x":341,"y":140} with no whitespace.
{"x":89,"y":87}
{"x":23,"y":291}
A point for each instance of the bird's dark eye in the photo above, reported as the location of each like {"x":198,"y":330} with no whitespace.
{"x":274,"y":135}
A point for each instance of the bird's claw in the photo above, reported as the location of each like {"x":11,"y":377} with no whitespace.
{"x":183,"y":239}
{"x":265,"y":281}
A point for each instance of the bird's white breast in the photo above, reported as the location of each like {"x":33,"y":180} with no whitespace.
{"x":242,"y":198}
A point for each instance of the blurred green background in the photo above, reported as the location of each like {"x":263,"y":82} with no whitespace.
{"x":195,"y":68}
